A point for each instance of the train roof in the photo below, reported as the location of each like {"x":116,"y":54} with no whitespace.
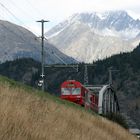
{"x":71,"y":82}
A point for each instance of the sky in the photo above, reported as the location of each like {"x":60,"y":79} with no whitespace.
{"x":27,"y":12}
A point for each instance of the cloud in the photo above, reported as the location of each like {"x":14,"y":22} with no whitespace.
{"x":57,"y":10}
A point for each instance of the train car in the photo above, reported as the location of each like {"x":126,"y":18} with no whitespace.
{"x":73,"y":91}
{"x":101,"y":99}
{"x":91,"y":101}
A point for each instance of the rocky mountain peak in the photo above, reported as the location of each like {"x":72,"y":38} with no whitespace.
{"x":96,"y":35}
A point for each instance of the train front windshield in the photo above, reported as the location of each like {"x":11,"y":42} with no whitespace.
{"x":65,"y":91}
{"x":76,"y":91}
{"x":70,"y":91}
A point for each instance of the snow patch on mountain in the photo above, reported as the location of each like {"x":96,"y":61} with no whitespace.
{"x":101,"y":16}
{"x":55,"y":34}
{"x":93,"y":36}
{"x":124,"y":34}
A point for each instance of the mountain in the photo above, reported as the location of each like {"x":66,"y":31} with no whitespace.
{"x":18,"y":42}
{"x":93,"y":36}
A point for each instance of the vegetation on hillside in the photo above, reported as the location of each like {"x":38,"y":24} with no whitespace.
{"x":126,"y":81}
{"x":26,"y":116}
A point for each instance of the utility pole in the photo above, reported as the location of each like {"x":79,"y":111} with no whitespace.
{"x":42,"y":53}
{"x":110,"y":75}
{"x":111,"y":103}
{"x":86,"y":73}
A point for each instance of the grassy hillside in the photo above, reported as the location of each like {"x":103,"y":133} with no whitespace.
{"x":27,"y":114}
{"x":126,"y":81}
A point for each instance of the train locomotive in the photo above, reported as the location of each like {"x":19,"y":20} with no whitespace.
{"x":101,"y":99}
{"x":74,"y":91}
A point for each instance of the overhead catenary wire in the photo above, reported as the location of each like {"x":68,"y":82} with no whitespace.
{"x":11,"y":31}
{"x":2,"y":5}
{"x":17,"y":19}
{"x":59,"y":58}
{"x":65,"y":64}
{"x":21,"y":10}
{"x":33,"y":7}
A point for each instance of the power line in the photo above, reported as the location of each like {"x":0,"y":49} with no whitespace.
{"x":4,"y":13}
{"x":2,"y":5}
{"x":33,"y":7}
{"x":11,"y":31}
{"x":65,"y":64}
{"x":59,"y":58}
{"x":13,"y":15}
{"x":21,"y":10}
{"x":16,"y":18}
{"x":8,"y":29}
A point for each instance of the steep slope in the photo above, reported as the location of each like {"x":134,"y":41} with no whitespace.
{"x":126,"y":80}
{"x":24,"y":115}
{"x":17,"y":42}
{"x":96,"y":35}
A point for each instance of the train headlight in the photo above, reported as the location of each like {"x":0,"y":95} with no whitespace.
{"x":78,"y":96}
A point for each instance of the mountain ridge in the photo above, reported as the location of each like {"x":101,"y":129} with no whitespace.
{"x":18,"y":42}
{"x":117,"y":32}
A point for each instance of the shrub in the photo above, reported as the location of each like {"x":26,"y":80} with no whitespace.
{"x":118,"y":118}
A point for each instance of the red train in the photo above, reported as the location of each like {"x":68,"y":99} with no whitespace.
{"x":75,"y":92}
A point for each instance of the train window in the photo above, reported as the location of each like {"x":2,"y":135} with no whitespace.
{"x":76,"y":91}
{"x":65,"y":91}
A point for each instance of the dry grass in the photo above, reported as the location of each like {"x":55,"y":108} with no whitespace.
{"x":25,"y":116}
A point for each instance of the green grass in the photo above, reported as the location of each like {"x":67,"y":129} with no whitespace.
{"x":30,"y":114}
{"x":43,"y":95}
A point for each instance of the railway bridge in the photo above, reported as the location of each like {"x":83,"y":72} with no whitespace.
{"x":107,"y":99}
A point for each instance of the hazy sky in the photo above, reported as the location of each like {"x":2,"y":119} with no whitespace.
{"x":26,"y":12}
